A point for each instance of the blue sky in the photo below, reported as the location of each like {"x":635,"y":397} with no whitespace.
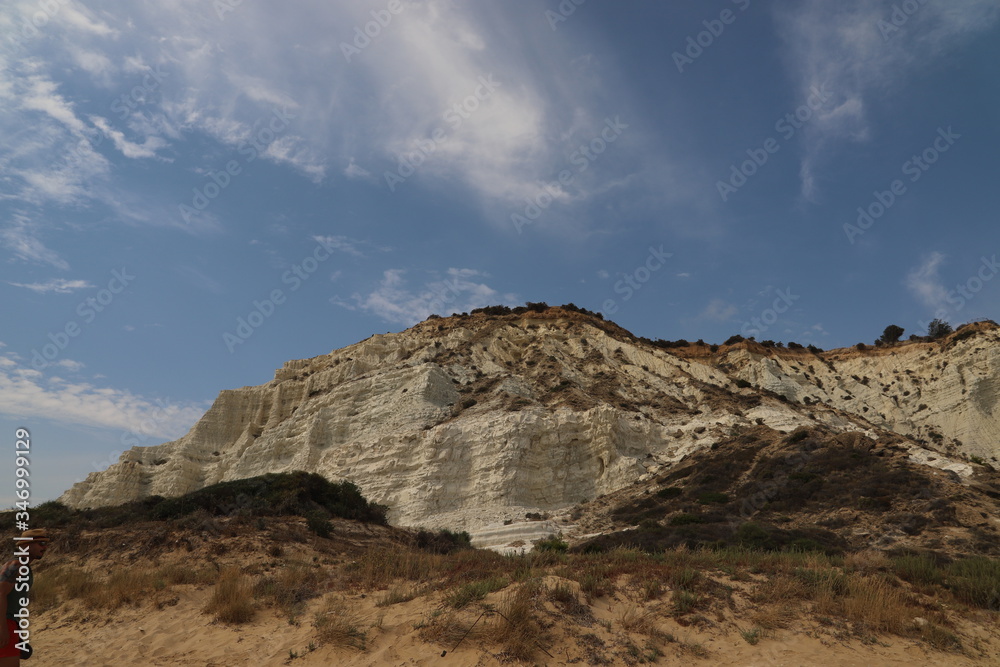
{"x":192,"y":193}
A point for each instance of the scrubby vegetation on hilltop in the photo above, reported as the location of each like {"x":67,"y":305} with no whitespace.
{"x":298,"y":493}
{"x":938,"y":329}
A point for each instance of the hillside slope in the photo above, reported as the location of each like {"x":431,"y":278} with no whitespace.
{"x":472,"y":422}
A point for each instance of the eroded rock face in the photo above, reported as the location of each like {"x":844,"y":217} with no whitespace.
{"x":943,"y":394}
{"x":471,"y":422}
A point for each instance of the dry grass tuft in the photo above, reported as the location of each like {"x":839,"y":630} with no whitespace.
{"x":449,"y":629}
{"x":777,"y":589}
{"x":519,"y":631}
{"x":773,"y":617}
{"x":184,"y":574}
{"x":398,"y":594}
{"x":875,"y":605}
{"x":290,"y":587}
{"x":338,"y":626}
{"x":638,"y":620}
{"x":377,"y":569}
{"x":232,"y":599}
{"x":474,"y":591}
{"x":123,"y":587}
{"x":867,"y":562}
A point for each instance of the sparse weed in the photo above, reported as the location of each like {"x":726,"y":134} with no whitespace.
{"x":338,"y":626}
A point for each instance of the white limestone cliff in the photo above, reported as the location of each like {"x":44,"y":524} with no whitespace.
{"x":472,"y":423}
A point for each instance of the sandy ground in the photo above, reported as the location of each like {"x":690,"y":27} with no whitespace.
{"x":180,"y":634}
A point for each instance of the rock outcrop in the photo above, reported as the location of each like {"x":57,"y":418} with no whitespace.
{"x":473,"y":422}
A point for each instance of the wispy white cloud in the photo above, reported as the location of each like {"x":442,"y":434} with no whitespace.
{"x":925,"y":283}
{"x":129,"y":149}
{"x":200,"y":279}
{"x":353,"y":170}
{"x":718,"y":310}
{"x":41,"y":94}
{"x":394,"y":300}
{"x":21,"y":238}
{"x":509,"y":117}
{"x":27,"y":393}
{"x":57,"y":285}
{"x":346,"y":245}
{"x":840,"y":47}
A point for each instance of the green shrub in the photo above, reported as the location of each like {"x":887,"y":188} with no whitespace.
{"x":552,"y":543}
{"x":754,"y":536}
{"x":473,"y":592}
{"x":976,"y":581}
{"x":686,"y":519}
{"x":938,"y":328}
{"x":319,"y":523}
{"x":918,"y":569}
{"x":711,"y":497}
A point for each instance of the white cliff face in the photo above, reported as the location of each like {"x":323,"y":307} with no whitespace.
{"x":468,"y":423}
{"x":943,"y":394}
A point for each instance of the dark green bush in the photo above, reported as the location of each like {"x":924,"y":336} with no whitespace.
{"x":319,"y":523}
{"x":686,"y":519}
{"x":552,"y":543}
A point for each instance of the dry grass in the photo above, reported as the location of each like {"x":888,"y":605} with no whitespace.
{"x":873,"y":593}
{"x":640,"y":620}
{"x":519,"y":631}
{"x":290,"y":587}
{"x":474,"y":591}
{"x":778,"y":589}
{"x":123,"y":587}
{"x":773,"y":617}
{"x":878,"y":605}
{"x":178,"y":574}
{"x":232,"y":599}
{"x":398,"y":594}
{"x":449,"y":628}
{"x":867,"y":562}
{"x":378,"y":568}
{"x":871,"y":603}
{"x":339,"y":626}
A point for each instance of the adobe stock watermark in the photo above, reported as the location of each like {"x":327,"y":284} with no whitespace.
{"x":581,"y":158}
{"x":363,"y":36}
{"x":265,"y":309}
{"x":696,"y":44}
{"x":266,"y":131}
{"x":915,"y":167}
{"x":127,"y":102}
{"x":787,"y":126}
{"x":565,"y":9}
{"x":87,"y":310}
{"x":633,"y":281}
{"x":32,"y":24}
{"x":901,"y":13}
{"x":123,"y":105}
{"x":756,"y":326}
{"x":408,"y":163}
{"x":966,"y":290}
